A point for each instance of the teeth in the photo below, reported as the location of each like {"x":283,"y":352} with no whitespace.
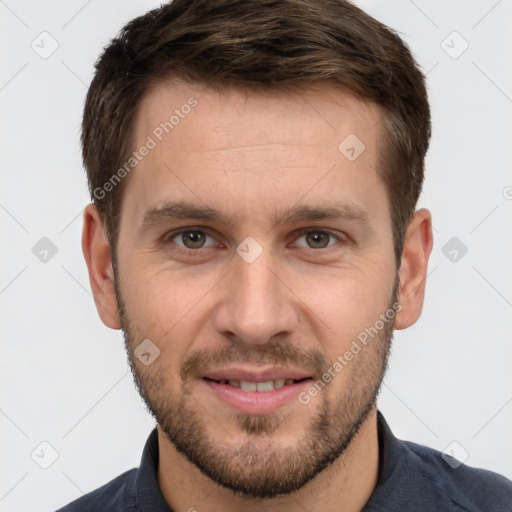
{"x":279,"y":383}
{"x":269,"y":385}
{"x":248,"y":386}
{"x":265,"y":386}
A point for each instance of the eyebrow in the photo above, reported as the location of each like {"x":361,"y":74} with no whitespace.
{"x":173,"y":210}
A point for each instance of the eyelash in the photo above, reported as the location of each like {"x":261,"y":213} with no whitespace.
{"x":168,"y":237}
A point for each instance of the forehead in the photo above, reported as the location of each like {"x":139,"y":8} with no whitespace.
{"x":246,"y":153}
{"x":264,"y":116}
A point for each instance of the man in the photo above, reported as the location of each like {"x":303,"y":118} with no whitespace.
{"x":254,"y":168}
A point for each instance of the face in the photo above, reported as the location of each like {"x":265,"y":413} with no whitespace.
{"x":255,"y":253}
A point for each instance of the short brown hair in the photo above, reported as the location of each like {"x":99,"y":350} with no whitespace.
{"x":259,"y":45}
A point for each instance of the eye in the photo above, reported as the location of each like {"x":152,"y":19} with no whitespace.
{"x":195,"y":239}
{"x":318,"y":239}
{"x":190,"y":239}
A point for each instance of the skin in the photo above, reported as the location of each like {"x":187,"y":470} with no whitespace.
{"x":251,"y":156}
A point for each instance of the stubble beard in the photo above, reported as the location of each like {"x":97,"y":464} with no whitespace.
{"x":260,"y":467}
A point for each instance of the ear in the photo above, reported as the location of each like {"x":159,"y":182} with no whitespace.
{"x":413,"y":268}
{"x":99,"y":264}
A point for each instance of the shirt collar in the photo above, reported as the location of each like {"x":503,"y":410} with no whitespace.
{"x":148,"y":495}
{"x":401,"y":484}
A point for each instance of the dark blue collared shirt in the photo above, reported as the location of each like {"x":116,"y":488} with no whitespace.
{"x":412,"y":478}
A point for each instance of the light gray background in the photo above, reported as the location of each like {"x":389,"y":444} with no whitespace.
{"x":64,"y":377}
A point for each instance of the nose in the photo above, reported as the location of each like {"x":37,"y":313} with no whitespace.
{"x":257,"y":304}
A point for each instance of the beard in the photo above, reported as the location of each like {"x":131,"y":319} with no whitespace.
{"x":260,"y":466}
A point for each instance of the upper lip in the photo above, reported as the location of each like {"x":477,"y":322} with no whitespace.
{"x":256,"y":374}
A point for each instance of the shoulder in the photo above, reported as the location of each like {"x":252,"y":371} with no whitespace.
{"x":113,"y":496}
{"x":469,"y":488}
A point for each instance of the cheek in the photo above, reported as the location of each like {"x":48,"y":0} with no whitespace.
{"x":347,"y":304}
{"x":164,"y":306}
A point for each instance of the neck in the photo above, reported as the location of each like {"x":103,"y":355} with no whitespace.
{"x":346,"y":485}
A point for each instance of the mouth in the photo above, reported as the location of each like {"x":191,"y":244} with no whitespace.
{"x":261,"y":386}
{"x":256,"y":392}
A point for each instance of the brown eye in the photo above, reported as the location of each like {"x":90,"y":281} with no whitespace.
{"x":191,"y":239}
{"x":316,"y":239}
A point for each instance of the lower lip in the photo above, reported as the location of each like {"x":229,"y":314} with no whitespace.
{"x":257,"y":402}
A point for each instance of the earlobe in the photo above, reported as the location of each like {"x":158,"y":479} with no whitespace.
{"x":97,"y":255}
{"x":413,"y":269}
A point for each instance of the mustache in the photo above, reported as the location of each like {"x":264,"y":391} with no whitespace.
{"x":282,"y":354}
